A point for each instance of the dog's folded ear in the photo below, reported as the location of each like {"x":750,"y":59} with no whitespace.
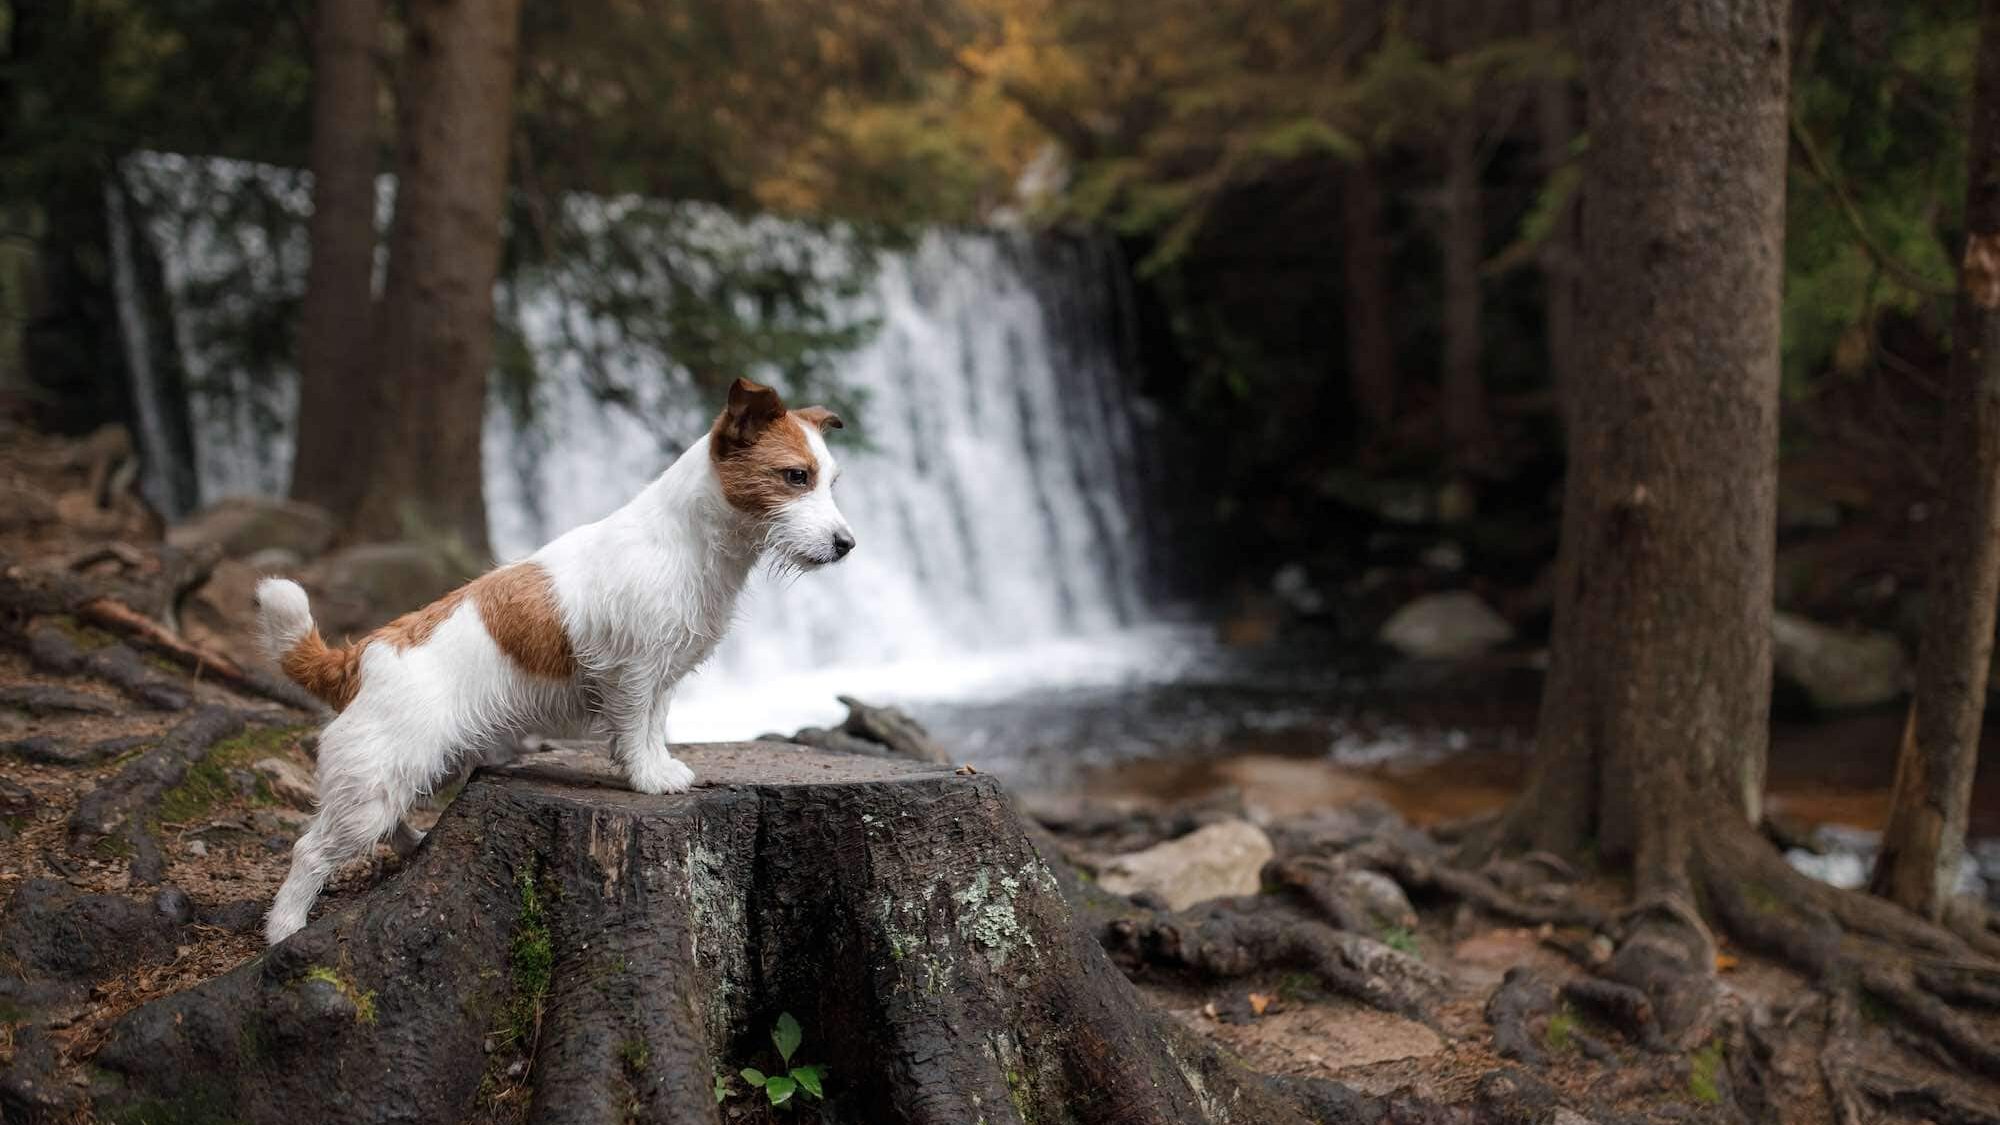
{"x":752,"y":408}
{"x":820,"y":418}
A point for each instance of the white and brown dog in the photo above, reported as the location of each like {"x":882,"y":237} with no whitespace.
{"x":592,"y":631}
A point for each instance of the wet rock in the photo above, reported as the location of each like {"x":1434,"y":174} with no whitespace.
{"x":1445,"y":626}
{"x":1838,"y":669}
{"x":1381,"y":896}
{"x":243,"y":525}
{"x":242,"y":916}
{"x":1211,"y":862}
{"x":52,"y":929}
{"x":32,"y":1086}
{"x":288,"y":783}
{"x":174,"y":905}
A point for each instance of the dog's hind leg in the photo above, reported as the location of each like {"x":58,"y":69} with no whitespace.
{"x":358,"y":806}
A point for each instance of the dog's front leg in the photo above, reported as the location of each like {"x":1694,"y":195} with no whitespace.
{"x":639,"y":738}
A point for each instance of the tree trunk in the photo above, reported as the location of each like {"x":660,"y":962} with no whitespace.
{"x":339,"y":391}
{"x":436,"y":329}
{"x":1918,"y":866}
{"x":1464,"y":392}
{"x":1655,"y":707}
{"x":626,"y":950}
{"x":1371,"y":354}
{"x":1556,"y":117}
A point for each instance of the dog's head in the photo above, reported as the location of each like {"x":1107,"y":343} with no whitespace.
{"x":775,"y":467}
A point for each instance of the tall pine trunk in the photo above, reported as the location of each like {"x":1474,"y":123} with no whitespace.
{"x":1940,"y":751}
{"x":1655,"y":708}
{"x":1464,"y":392}
{"x":436,"y":330}
{"x":1555,"y":114}
{"x":339,"y":391}
{"x":1371,"y":354}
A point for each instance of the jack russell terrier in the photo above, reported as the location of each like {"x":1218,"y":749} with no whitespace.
{"x":592,"y":631}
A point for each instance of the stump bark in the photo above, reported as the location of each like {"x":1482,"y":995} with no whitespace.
{"x":564,"y":950}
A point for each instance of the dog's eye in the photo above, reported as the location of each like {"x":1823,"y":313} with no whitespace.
{"x":795,"y":477}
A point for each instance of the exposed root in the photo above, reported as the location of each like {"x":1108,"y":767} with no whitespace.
{"x":1419,"y":873}
{"x":1933,"y":1016}
{"x":1899,"y":1095}
{"x":1626,"y":1007}
{"x":1237,"y":937}
{"x":1522,"y":1000}
{"x":111,"y":807}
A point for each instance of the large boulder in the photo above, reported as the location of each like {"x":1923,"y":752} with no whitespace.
{"x":242,"y":526}
{"x":1445,"y":626}
{"x":1838,"y":669}
{"x":367,"y":585}
{"x":1215,"y":861}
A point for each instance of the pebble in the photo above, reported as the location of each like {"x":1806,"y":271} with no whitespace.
{"x":198,"y":848}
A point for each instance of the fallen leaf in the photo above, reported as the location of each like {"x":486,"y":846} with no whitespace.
{"x":965,"y":771}
{"x":1724,"y":962}
{"x":1260,"y":1001}
{"x":1208,"y":1010}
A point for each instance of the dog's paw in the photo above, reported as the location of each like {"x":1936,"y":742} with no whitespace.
{"x":662,"y":775}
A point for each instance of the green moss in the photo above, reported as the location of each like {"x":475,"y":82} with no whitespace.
{"x":532,"y":960}
{"x":86,"y":637}
{"x":634,"y":1055}
{"x":1561,"y":1032}
{"x":1761,"y":898}
{"x":1400,"y":938}
{"x":1299,"y":986}
{"x":1705,"y":1075}
{"x":114,"y":846}
{"x":207,"y":787}
{"x":363,"y":1001}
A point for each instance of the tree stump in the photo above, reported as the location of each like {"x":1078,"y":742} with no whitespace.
{"x":563,"y":949}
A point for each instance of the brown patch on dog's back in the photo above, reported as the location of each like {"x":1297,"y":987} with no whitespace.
{"x":416,"y":626}
{"x":518,"y":605}
{"x":755,"y":440}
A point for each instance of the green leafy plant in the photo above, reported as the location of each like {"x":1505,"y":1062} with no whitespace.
{"x":786,"y":1035}
{"x":1400,"y":938}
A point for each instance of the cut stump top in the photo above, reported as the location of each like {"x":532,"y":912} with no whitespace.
{"x":716,"y":765}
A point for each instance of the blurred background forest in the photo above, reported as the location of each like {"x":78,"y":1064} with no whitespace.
{"x":1153,"y":321}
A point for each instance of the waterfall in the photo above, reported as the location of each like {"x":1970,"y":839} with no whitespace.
{"x":991,"y":461}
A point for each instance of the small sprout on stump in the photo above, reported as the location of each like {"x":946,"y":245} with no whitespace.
{"x":786,"y":1035}
{"x":1400,"y":939}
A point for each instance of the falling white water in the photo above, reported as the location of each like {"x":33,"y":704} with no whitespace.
{"x":990,"y":466}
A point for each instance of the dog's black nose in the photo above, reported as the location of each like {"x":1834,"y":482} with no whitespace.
{"x":842,"y":543}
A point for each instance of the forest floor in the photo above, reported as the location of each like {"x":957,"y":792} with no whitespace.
{"x":181,"y":878}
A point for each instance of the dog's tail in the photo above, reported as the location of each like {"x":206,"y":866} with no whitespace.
{"x":285,"y":626}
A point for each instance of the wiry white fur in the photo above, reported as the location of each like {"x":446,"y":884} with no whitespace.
{"x":283,"y":616}
{"x":645,"y":594}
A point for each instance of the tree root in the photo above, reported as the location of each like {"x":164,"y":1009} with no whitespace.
{"x":1523,"y":999}
{"x":109,"y":809}
{"x":1626,"y":1007}
{"x":1241,"y":936}
{"x":1934,"y":1017}
{"x":1898,"y":1094}
{"x":1418,"y":873}
{"x":29,"y":598}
